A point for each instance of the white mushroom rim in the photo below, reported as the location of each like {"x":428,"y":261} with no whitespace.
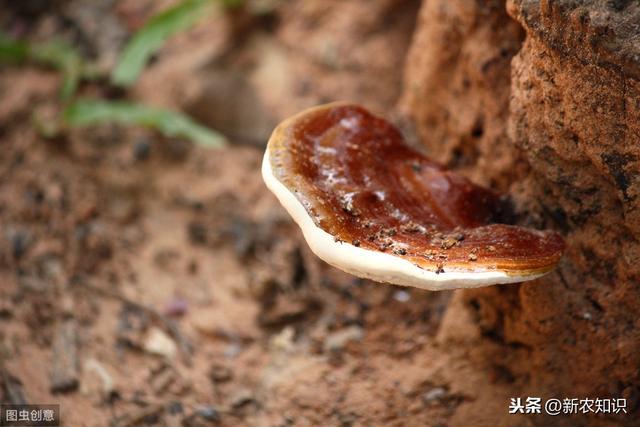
{"x":380,"y":266}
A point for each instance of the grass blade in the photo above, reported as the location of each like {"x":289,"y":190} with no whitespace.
{"x":90,"y":112}
{"x":55,"y":54}
{"x":152,"y":35}
{"x":63,"y":57}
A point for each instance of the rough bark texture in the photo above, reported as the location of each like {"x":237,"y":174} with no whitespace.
{"x":561,"y":132}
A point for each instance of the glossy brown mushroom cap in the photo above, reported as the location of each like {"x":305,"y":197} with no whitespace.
{"x":359,"y":182}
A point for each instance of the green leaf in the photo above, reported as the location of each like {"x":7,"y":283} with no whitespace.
{"x":12,"y":51}
{"x":152,"y":35}
{"x":63,"y":57}
{"x":90,"y":112}
{"x":55,"y":54}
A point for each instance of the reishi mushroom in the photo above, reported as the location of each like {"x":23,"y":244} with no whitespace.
{"x":370,"y":205}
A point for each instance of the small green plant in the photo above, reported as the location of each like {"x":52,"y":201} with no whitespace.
{"x":154,"y":33}
{"x":74,"y":68}
{"x":55,"y":54}
{"x":152,"y":36}
{"x":87,"y":112}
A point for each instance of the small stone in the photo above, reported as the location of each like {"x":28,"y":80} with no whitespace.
{"x":159,"y":343}
{"x":336,"y":341}
{"x":65,"y":373}
{"x":401,"y":296}
{"x":436,"y":393}
{"x":97,"y":380}
{"x":473,"y":257}
{"x":141,"y":150}
{"x":283,"y":341}
{"x":208,"y":413}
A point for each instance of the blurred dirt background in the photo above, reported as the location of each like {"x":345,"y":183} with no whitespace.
{"x":148,"y":281}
